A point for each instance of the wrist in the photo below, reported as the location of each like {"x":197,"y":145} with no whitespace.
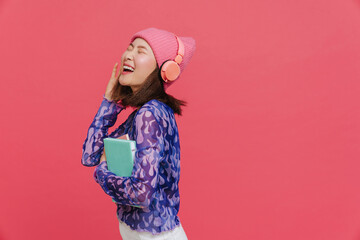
{"x":118,"y":103}
{"x":108,"y":97}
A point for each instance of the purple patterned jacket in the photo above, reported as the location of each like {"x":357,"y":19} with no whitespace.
{"x":153,"y":184}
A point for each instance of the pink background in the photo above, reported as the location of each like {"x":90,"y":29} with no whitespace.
{"x":270,"y":138}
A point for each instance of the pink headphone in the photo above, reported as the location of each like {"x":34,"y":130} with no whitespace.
{"x":170,"y":69}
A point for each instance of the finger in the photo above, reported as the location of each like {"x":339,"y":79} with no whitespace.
{"x":103,"y":158}
{"x":114,"y":70}
{"x":120,"y":70}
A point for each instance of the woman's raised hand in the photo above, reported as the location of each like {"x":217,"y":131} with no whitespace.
{"x":113,"y":79}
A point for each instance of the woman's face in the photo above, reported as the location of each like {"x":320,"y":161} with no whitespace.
{"x":140,"y":58}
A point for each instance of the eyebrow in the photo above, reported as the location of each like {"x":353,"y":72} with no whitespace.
{"x":139,"y":46}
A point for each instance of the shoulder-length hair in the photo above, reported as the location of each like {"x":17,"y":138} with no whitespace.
{"x":152,"y":88}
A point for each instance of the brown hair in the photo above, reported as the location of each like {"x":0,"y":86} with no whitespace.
{"x":152,"y":88}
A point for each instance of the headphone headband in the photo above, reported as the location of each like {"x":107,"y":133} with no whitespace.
{"x":180,"y":53}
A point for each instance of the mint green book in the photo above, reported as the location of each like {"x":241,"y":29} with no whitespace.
{"x":120,"y":155}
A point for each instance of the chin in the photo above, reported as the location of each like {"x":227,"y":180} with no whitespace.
{"x":123,"y":82}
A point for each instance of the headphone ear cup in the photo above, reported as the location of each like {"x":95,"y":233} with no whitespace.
{"x":170,"y":71}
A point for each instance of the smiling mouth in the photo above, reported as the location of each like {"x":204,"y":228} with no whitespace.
{"x":124,"y":72}
{"x":127,"y":68}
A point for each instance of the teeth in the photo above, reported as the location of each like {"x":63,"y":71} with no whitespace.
{"x":129,"y":68}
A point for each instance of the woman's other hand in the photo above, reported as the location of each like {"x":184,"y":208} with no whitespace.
{"x":103,"y":158}
{"x":113,"y":79}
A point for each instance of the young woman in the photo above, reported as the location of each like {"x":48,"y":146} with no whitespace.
{"x":153,"y":61}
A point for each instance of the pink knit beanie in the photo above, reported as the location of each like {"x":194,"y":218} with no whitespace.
{"x":165,"y":47}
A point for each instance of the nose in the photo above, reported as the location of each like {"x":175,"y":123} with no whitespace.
{"x":128,"y":55}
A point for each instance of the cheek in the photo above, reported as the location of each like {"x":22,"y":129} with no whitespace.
{"x":147,"y":64}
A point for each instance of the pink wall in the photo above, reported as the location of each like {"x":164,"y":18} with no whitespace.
{"x":270,"y":138}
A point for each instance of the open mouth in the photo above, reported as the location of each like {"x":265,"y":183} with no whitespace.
{"x":127,"y":69}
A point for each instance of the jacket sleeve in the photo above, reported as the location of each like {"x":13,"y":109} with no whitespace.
{"x":139,"y":189}
{"x":98,"y":130}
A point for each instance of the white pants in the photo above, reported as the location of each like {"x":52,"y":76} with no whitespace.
{"x":128,"y":234}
